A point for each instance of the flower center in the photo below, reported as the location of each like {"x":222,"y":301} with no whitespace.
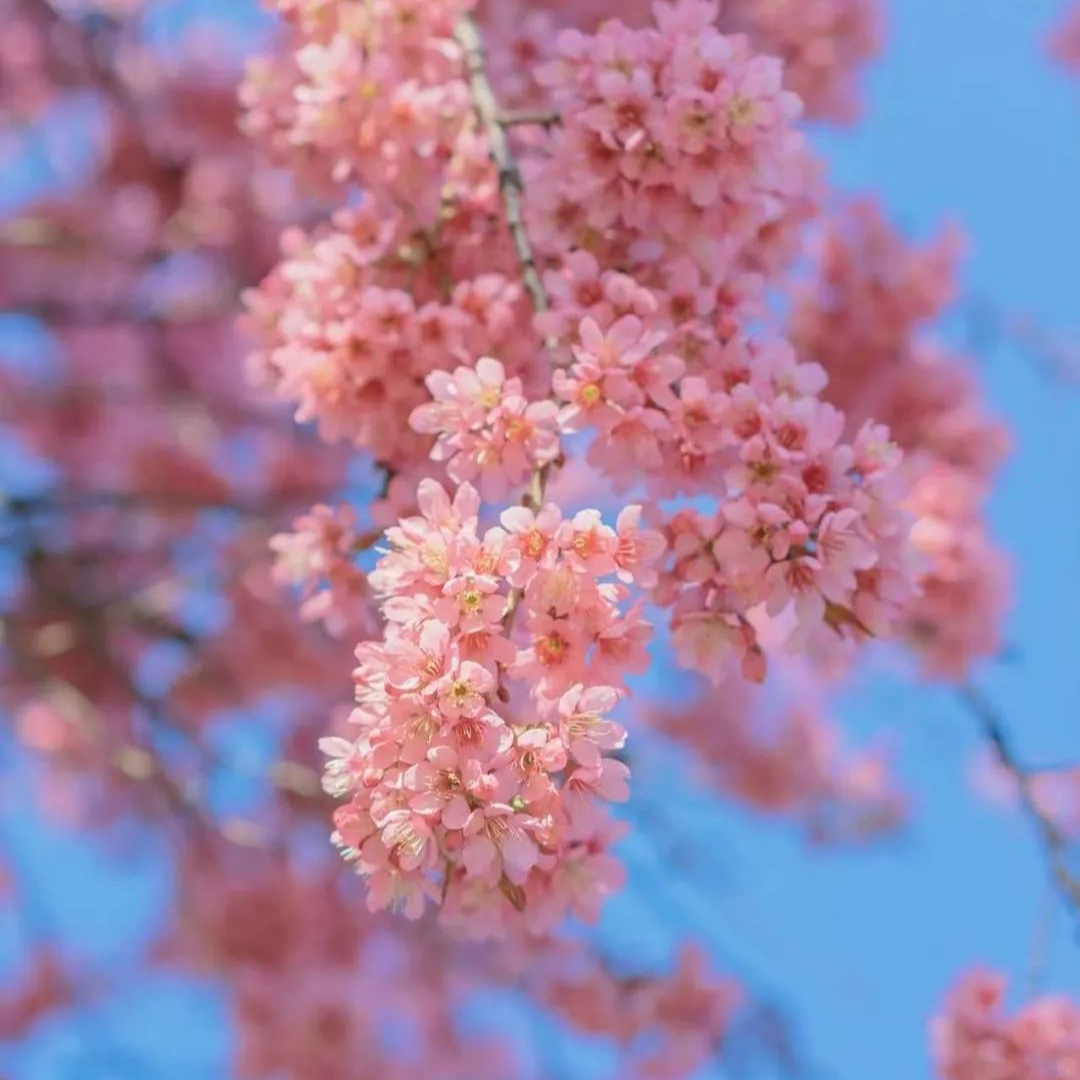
{"x":534,"y":543}
{"x":551,"y":649}
{"x":590,"y":394}
{"x":741,"y":110}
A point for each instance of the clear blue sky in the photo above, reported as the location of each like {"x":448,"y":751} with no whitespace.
{"x":966,"y":120}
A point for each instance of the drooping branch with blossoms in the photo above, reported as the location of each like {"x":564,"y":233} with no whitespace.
{"x":669,"y":194}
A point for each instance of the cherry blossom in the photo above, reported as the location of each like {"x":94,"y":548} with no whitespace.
{"x":552,"y":328}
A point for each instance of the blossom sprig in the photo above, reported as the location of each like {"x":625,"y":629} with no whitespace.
{"x":807,"y":527}
{"x":486,"y":429}
{"x":484,"y":757}
{"x":319,"y":556}
{"x":676,"y":148}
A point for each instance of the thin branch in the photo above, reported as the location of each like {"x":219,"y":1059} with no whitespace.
{"x":1053,"y":840}
{"x":490,"y":118}
{"x":141,"y":763}
{"x":1040,"y":941}
{"x":987,"y":324}
{"x":546,"y":120}
{"x":296,"y":779}
{"x":70,"y":502}
{"x":512,"y":187}
{"x":67,"y":315}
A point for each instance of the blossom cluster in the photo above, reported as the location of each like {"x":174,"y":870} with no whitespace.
{"x":810,"y":542}
{"x":354,"y":320}
{"x":315,"y":987}
{"x":668,"y":1026}
{"x":478,"y":776}
{"x":675,"y":149}
{"x":319,"y":556}
{"x":321,"y":989}
{"x":973,"y":1038}
{"x":863,"y":318}
{"x":676,"y":160}
{"x":139,"y":503}
{"x":964,"y":591}
{"x":366,"y":94}
{"x":807,"y":533}
{"x":486,"y":429}
{"x":823,"y":43}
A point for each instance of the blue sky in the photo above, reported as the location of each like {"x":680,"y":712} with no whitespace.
{"x":964,"y":120}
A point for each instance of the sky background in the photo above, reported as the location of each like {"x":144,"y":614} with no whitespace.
{"x":965,"y":120}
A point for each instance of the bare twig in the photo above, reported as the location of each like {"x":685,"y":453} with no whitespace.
{"x":1051,"y":837}
{"x":490,"y":118}
{"x":140,"y":762}
{"x":1040,"y":941}
{"x":987,"y":324}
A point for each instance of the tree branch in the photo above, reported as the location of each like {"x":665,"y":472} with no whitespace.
{"x":491,"y":119}
{"x":1053,"y":840}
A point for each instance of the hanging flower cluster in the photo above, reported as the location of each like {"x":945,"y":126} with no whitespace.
{"x":482,"y":764}
{"x":863,"y":317}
